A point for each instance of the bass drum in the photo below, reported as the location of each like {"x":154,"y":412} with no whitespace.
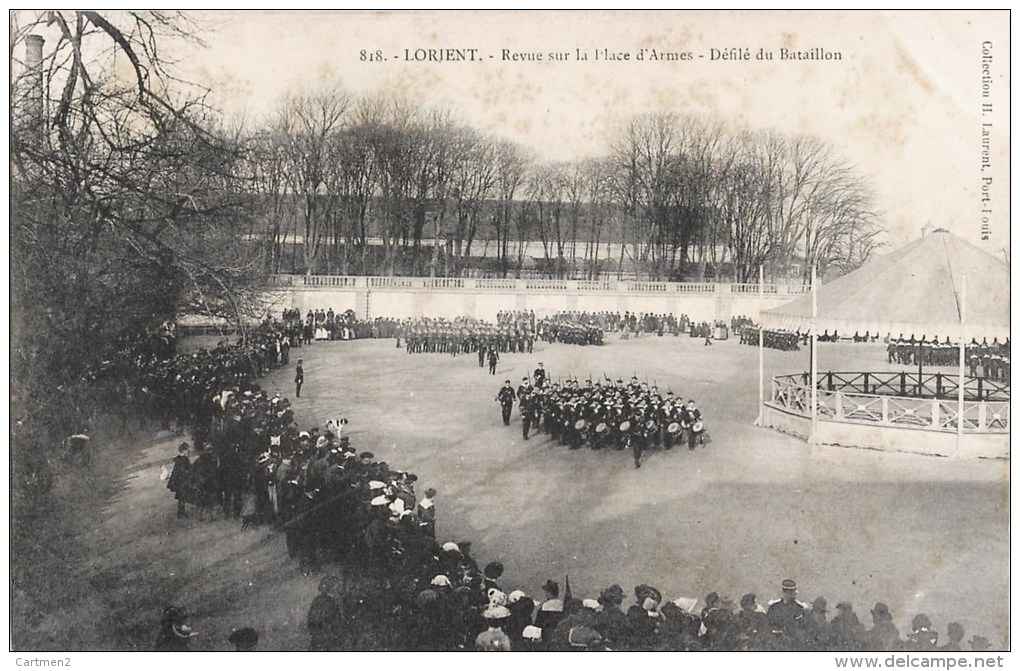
{"x":601,"y":427}
{"x":624,"y":427}
{"x":673,"y":428}
{"x":698,"y":427}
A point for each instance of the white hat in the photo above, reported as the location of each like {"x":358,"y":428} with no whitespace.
{"x":532,"y":633}
{"x":686,"y":604}
{"x":375,"y":484}
{"x":397,"y":507}
{"x":450,"y":546}
{"x":496,"y":597}
{"x":380,"y":501}
{"x":496,"y":613}
{"x":591,"y":603}
{"x":441,"y":581}
{"x":304,"y":434}
{"x":516,"y":596}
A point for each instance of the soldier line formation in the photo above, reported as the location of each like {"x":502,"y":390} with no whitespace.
{"x":335,"y":504}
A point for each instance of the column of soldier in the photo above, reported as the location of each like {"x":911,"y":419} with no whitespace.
{"x":786,"y":341}
{"x":464,"y":335}
{"x":572,"y":328}
{"x":984,"y":359}
{"x":611,"y":415}
{"x":334,"y":503}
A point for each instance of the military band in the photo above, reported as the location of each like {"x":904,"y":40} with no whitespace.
{"x":606,"y":414}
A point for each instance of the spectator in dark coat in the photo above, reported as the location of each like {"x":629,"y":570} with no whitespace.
{"x":325,"y":616}
{"x":884,"y":635}
{"x":180,"y":479}
{"x":847,"y":633}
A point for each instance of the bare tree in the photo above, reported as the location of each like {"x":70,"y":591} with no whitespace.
{"x":512,"y":163}
{"x":126,"y":205}
{"x":308,"y":126}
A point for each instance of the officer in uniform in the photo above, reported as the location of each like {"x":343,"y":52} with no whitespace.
{"x":786,"y":617}
{"x":493,"y":360}
{"x":299,"y":377}
{"x":506,"y":398}
{"x":539,"y":375}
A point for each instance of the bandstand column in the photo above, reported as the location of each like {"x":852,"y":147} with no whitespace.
{"x":814,"y":356}
{"x":761,"y":347}
{"x":961,"y":379}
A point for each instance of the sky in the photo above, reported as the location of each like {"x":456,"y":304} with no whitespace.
{"x":904,"y":104}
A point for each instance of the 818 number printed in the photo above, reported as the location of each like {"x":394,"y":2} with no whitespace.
{"x":372,"y":56}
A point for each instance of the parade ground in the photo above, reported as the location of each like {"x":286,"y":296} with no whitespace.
{"x":922,"y":534}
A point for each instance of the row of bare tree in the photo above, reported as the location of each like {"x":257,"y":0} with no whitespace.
{"x":338,"y":178}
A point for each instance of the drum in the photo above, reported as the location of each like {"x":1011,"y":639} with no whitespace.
{"x":624,"y":427}
{"x":673,"y":428}
{"x":601,"y":427}
{"x":579,"y":425}
{"x":698,"y":427}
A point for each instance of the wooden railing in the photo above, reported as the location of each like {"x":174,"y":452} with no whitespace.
{"x":540,"y":285}
{"x":929,"y":385}
{"x":791,"y":393}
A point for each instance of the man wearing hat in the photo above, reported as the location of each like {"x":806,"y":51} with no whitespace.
{"x":691,"y":416}
{"x":884,"y":635}
{"x":506,"y":398}
{"x":180,"y":479}
{"x":539,"y":375}
{"x":299,"y":377}
{"x":786,"y":618}
{"x":847,"y":632}
{"x":817,"y":625}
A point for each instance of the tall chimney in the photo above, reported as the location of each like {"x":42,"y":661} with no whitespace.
{"x":34,"y":78}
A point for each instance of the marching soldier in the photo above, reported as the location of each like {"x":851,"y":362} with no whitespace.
{"x":692,"y":422}
{"x":299,"y":376}
{"x":539,"y":375}
{"x":506,"y":398}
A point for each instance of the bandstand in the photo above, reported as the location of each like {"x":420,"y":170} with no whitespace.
{"x":936,"y":288}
